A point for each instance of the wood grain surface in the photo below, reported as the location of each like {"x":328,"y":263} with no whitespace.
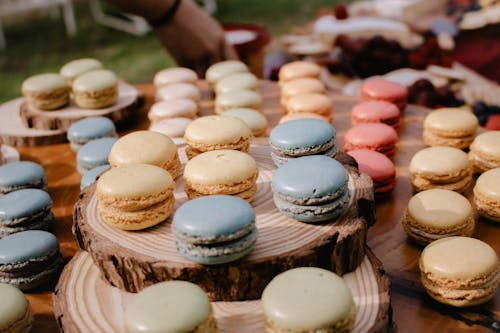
{"x":413,"y":310}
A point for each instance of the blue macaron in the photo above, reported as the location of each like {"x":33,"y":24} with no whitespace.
{"x":90,"y":176}
{"x":215,"y":229}
{"x":311,"y":189}
{"x":92,"y":128}
{"x":302,"y":137}
{"x":26,"y":209}
{"x":18,"y":175}
{"x":30,"y":259}
{"x":93,"y":154}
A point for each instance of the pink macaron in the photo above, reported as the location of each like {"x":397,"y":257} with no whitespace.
{"x":376,"y":112}
{"x":379,"y":89}
{"x":373,"y":136}
{"x":378,"y":166}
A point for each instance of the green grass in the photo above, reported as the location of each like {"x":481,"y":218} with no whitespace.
{"x":41,"y":45}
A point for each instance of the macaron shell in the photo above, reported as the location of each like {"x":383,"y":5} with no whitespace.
{"x":13,"y":307}
{"x":175,"y":75}
{"x":373,"y":136}
{"x":186,"y":108}
{"x":374,"y":112}
{"x":172,"y":127}
{"x":310,"y":102}
{"x":298,"y":69}
{"x":23,"y":203}
{"x":381,"y":89}
{"x":236,"y":81}
{"x":43,"y":83}
{"x":27,"y":245}
{"x":242,"y":98}
{"x":91,"y":128}
{"x":77,"y":67}
{"x":212,"y":130}
{"x":178,"y":91}
{"x":434,"y":161}
{"x":302,"y":115}
{"x":21,"y":173}
{"x":95,"y":80}
{"x":488,"y":184}
{"x":95,"y":152}
{"x":222,"y":69}
{"x":254,"y":119}
{"x":90,"y":176}
{"x":451,"y":122}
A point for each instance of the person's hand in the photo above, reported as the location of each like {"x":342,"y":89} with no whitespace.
{"x":194,"y":38}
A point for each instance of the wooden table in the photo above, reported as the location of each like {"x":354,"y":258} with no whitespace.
{"x":413,"y":310}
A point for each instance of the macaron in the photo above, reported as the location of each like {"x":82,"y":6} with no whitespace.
{"x":87,"y":129}
{"x":96,"y":89}
{"x":300,"y":86}
{"x":15,"y":313}
{"x":484,"y":152}
{"x":135,"y":196}
{"x":215,"y":229}
{"x":308,"y":299}
{"x":175,"y":75}
{"x":236,"y":81}
{"x":302,"y":137}
{"x":242,"y":98}
{"x":26,"y":209}
{"x":30,"y":259}
{"x":91,"y":176}
{"x":440,"y":167}
{"x":376,"y":112}
{"x":178,"y":91}
{"x":254,"y":119}
{"x":379,"y":167}
{"x":171,"y":127}
{"x":222,"y":69}
{"x":302,"y":115}
{"x":452,"y":127}
{"x":172,"y":306}
{"x":185,"y":108}
{"x":487,"y":194}
{"x":75,"y":68}
{"x":460,"y":271}
{"x":93,"y":154}
{"x":18,"y":175}
{"x":373,"y":136}
{"x":379,"y":89}
{"x":221,"y":172}
{"x":311,"y":103}
{"x":436,"y":213}
{"x":311,"y":189}
{"x":298,"y":69}
{"x":46,"y":91}
{"x":146,"y":147}
{"x":216,"y":132}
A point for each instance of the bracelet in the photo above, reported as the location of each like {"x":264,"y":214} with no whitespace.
{"x":167,"y":16}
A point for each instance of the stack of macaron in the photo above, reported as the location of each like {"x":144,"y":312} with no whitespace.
{"x":484,"y":152}
{"x":177,"y":101}
{"x":303,"y":94}
{"x":450,"y":127}
{"x":15,"y":313}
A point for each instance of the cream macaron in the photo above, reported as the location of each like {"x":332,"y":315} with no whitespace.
{"x":460,"y":271}
{"x":298,"y":69}
{"x":15,"y":313}
{"x":242,"y":98}
{"x":135,"y":196}
{"x":451,"y":127}
{"x":170,"y":307}
{"x":219,"y":70}
{"x":146,"y":147}
{"x":308,"y":299}
{"x":179,"y":90}
{"x":46,"y":91}
{"x":310,"y":102}
{"x":484,"y":152}
{"x":237,"y":81}
{"x":185,"y":108}
{"x":171,"y":127}
{"x":487,"y":194}
{"x":438,"y":213}
{"x":96,"y":89}
{"x":216,"y":132}
{"x":301,"y":86}
{"x":77,"y":67}
{"x":254,"y":119}
{"x":175,"y":75}
{"x":221,"y":172}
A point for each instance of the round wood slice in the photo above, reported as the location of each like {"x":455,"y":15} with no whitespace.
{"x":128,"y":103}
{"x":134,"y":260}
{"x":85,"y":303}
{"x":9,"y":154}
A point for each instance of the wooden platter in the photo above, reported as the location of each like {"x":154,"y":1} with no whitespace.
{"x":85,"y":303}
{"x":134,"y":260}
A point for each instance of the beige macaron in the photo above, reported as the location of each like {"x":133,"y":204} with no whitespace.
{"x":460,"y":271}
{"x":216,"y":132}
{"x":237,"y":81}
{"x":487,"y":194}
{"x":179,"y":90}
{"x":484,"y":152}
{"x":451,"y":127}
{"x":172,"y":127}
{"x":96,"y":89}
{"x":300,"y":86}
{"x":311,"y":102}
{"x":233,"y":99}
{"x":438,"y":213}
{"x":75,"y":68}
{"x":175,"y":75}
{"x":46,"y":91}
{"x":225,"y":171}
{"x":254,"y":119}
{"x":135,"y":196}
{"x":222,"y":69}
{"x":146,"y":147}
{"x":302,"y":115}
{"x":298,"y":69}
{"x":185,"y":108}
{"x":440,"y":167}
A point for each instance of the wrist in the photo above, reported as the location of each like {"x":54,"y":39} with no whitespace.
{"x":166,"y":15}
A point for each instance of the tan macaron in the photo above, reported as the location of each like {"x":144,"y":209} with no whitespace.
{"x":300,"y":86}
{"x":237,"y":81}
{"x":175,"y":75}
{"x":450,"y":127}
{"x":174,"y":108}
{"x":219,"y":70}
{"x":146,"y":147}
{"x":484,"y":151}
{"x":298,"y":69}
{"x":311,"y":102}
{"x":221,"y":172}
{"x":171,"y":127}
{"x":96,"y":89}
{"x":46,"y":91}
{"x":242,"y":98}
{"x":487,"y":194}
{"x":179,"y":90}
{"x":135,"y":196}
{"x":216,"y":132}
{"x":254,"y":119}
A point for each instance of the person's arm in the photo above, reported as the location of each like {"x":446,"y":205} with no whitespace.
{"x":191,"y":36}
